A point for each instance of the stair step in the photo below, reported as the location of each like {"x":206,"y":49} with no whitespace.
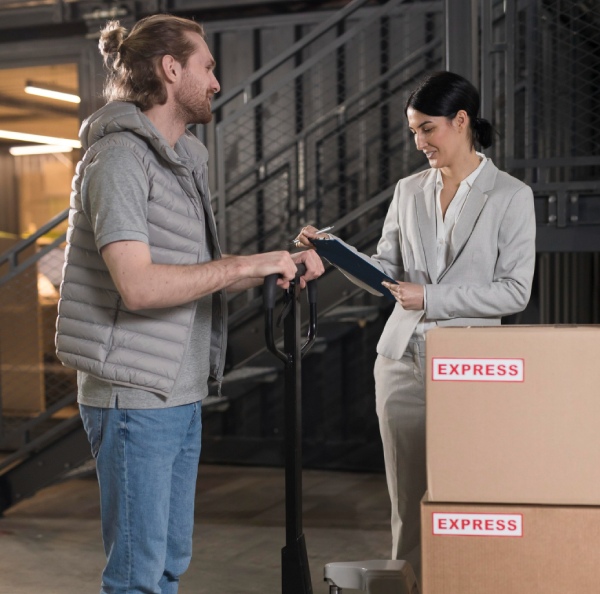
{"x":237,"y":383}
{"x":261,"y":374}
{"x":361,"y":314}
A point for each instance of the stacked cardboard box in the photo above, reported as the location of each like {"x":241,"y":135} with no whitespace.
{"x":513,"y":460}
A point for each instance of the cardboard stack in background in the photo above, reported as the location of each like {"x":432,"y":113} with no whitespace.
{"x":513,"y":460}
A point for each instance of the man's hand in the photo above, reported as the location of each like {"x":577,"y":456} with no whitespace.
{"x":313,"y":263}
{"x":283,"y":264}
{"x":262,"y":265}
{"x":408,"y":295}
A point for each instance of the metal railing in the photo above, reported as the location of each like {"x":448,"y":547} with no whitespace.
{"x":320,"y":130}
{"x":10,"y":261}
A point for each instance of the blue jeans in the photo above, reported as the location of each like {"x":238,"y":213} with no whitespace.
{"x":147,"y":464}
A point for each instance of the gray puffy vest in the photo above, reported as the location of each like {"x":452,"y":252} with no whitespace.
{"x":96,"y":333}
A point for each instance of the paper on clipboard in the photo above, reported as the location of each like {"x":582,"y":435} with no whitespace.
{"x":355,"y":265}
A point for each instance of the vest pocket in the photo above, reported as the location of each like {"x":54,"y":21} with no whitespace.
{"x":109,"y":344}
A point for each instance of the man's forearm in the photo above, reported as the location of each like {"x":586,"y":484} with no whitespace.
{"x":145,"y":285}
{"x":165,"y":285}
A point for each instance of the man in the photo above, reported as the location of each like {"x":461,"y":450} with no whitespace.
{"x":142,"y":311}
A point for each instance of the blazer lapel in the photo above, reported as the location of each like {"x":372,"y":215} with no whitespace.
{"x":471,"y":210}
{"x":425,"y":210}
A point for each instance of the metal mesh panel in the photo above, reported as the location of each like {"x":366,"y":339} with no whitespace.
{"x":262,"y":213}
{"x":541,"y":61}
{"x":546,"y":89}
{"x":569,"y":288}
{"x":325,"y":131}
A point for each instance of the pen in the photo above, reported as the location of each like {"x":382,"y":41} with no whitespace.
{"x":324,"y":230}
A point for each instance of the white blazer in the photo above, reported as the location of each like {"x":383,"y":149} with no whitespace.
{"x":492,"y":254}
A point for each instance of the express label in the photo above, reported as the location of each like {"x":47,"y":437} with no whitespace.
{"x":461,"y":524}
{"x":447,"y":369}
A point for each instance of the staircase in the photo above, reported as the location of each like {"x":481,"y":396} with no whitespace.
{"x":314,"y":136}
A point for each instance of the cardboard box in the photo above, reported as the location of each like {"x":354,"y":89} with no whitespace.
{"x":500,"y":549}
{"x":513,"y":415}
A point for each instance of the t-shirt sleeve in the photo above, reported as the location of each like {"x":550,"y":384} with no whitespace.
{"x":114,"y":196}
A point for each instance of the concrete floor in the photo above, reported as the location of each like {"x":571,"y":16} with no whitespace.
{"x":50,"y":544}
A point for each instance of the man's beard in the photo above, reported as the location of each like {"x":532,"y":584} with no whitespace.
{"x":191,"y":109}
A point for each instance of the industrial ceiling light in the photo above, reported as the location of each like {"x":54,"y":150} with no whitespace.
{"x":39,"y":149}
{"x":23,"y":137}
{"x":51,"y":91}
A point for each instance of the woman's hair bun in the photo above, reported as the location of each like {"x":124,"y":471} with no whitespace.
{"x":483,"y":132}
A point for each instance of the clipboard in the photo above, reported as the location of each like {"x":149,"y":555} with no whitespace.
{"x":355,"y":265}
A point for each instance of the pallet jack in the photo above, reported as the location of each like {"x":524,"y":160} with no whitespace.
{"x":295,"y":571}
{"x":372,"y":576}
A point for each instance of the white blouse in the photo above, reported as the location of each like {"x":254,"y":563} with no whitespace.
{"x":445,"y":226}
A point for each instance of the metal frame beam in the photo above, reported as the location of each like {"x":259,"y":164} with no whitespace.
{"x":88,"y":14}
{"x":461,"y":38}
{"x":45,"y":466}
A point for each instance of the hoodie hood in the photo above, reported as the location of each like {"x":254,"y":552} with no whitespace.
{"x":121,"y":116}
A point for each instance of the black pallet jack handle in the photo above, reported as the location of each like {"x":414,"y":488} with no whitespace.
{"x":295,"y":572}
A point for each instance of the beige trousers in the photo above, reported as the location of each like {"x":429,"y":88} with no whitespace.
{"x":400,"y":403}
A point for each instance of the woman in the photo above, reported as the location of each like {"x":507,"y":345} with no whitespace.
{"x":460,"y":239}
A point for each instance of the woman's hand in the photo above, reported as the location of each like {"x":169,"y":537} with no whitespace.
{"x":306,"y":234}
{"x":408,"y":295}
